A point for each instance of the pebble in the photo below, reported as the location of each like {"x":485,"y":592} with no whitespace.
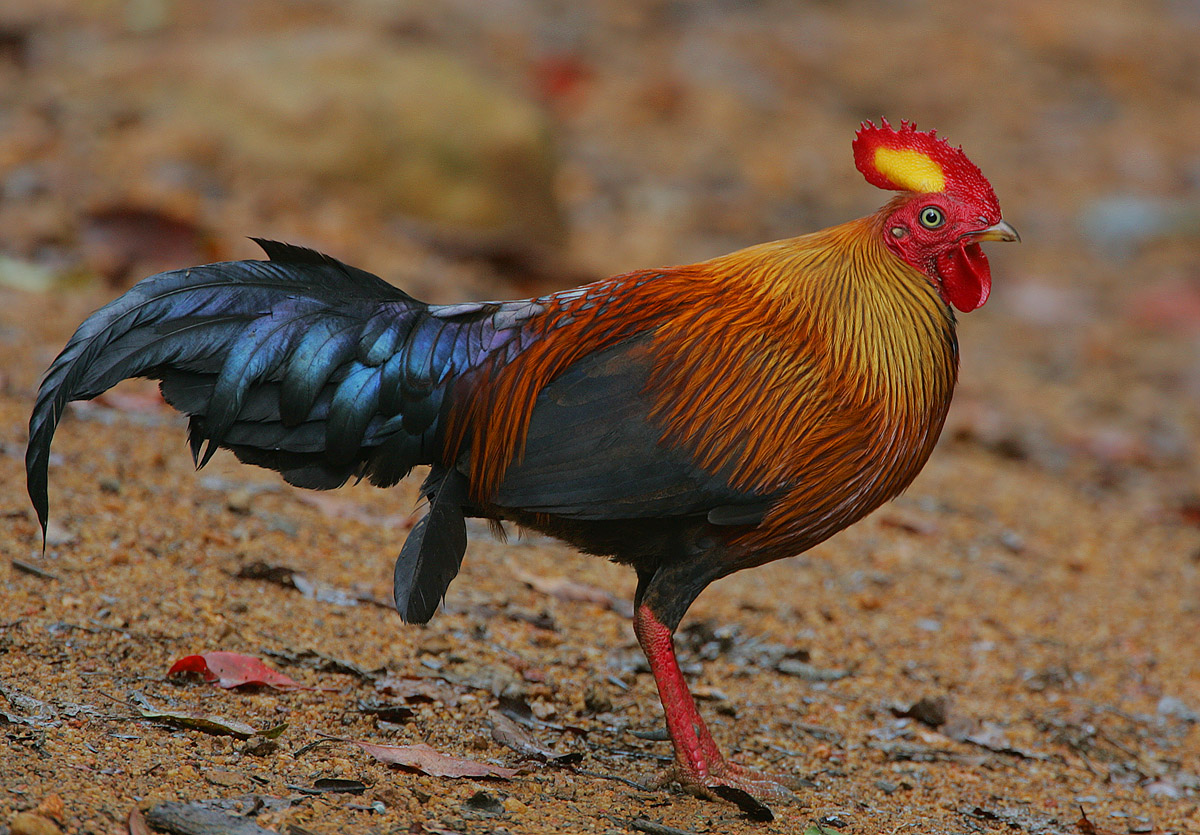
{"x":27,"y":823}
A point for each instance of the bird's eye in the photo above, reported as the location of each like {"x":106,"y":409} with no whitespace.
{"x":932,"y":217}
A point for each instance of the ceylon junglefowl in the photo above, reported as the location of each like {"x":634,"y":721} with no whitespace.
{"x":688,"y":421}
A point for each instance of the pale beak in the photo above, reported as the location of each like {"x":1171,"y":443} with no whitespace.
{"x":999,"y":232}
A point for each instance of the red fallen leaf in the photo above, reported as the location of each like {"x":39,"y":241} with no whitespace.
{"x":422,"y":758}
{"x":232,"y":669}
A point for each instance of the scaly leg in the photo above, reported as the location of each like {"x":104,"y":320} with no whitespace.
{"x":699,"y":766}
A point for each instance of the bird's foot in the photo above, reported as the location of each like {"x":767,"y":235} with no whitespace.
{"x":747,"y":788}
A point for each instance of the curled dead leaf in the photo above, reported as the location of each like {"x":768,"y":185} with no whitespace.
{"x":516,"y":738}
{"x":207,"y":722}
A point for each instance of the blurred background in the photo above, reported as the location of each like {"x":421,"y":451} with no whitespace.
{"x":473,"y":150}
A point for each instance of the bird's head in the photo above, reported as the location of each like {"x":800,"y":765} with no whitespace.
{"x":947,"y":208}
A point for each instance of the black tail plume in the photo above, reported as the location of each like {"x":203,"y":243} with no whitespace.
{"x":300,"y":364}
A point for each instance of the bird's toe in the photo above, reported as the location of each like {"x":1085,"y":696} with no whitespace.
{"x":749,"y":789}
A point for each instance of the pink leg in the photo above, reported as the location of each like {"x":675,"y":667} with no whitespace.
{"x":700,"y":768}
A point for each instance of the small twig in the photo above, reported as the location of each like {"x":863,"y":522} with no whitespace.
{"x":655,"y":828}
{"x":122,"y":702}
{"x":614,"y":777}
{"x":304,"y":749}
{"x":30,"y":568}
{"x":616,"y":682}
{"x":632,"y":754}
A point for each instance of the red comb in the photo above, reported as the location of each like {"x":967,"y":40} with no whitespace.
{"x":912,"y":160}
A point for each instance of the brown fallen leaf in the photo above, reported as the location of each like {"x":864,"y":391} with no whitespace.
{"x":1189,"y":512}
{"x":290,"y":578}
{"x":209,"y":723}
{"x":422,"y":758}
{"x":928,"y":710}
{"x":516,"y":738}
{"x":280,"y":575}
{"x":567,"y":589}
{"x":385,"y":711}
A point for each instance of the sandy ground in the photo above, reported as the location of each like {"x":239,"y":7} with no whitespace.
{"x":1008,"y":647}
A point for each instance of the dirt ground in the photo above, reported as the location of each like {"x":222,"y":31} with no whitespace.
{"x":1010,"y":646}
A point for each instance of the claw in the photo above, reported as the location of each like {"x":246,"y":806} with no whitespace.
{"x":747,"y":788}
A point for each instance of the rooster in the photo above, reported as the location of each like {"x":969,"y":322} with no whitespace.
{"x":688,"y":421}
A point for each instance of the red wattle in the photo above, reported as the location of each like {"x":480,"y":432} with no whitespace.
{"x":966,"y":277}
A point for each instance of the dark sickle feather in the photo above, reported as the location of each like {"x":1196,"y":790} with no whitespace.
{"x":433,"y":552}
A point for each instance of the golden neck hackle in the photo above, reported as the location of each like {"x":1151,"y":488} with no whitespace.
{"x":877,"y":318}
{"x":788,"y":366}
{"x":826,"y":376}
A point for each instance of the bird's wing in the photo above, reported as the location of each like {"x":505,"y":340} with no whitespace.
{"x":594,"y":451}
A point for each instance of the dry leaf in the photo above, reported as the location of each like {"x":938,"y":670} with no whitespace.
{"x":422,"y":758}
{"x":511,"y":735}
{"x":207,"y":722}
{"x":909,"y":523}
{"x":232,"y":669}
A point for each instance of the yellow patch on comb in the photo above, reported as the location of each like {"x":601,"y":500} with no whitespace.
{"x":910,"y":170}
